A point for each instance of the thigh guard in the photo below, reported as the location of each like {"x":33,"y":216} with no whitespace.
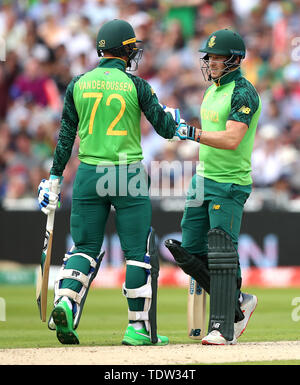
{"x":189,"y":263}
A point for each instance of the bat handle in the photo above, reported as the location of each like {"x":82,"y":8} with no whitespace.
{"x":50,"y":221}
{"x":54,"y":187}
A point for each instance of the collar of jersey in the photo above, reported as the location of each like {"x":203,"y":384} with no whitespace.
{"x":228,"y":77}
{"x":113,"y":62}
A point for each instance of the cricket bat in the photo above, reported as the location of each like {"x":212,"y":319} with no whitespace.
{"x":196,"y":311}
{"x":43,"y":276}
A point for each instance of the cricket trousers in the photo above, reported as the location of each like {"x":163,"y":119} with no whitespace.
{"x":96,"y":189}
{"x":209,"y":205}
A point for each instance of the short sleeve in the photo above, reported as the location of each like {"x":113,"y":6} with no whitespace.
{"x":244,"y":102}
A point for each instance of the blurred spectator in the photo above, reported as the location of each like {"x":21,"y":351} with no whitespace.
{"x":52,"y":32}
{"x":35,"y":84}
{"x":8,"y":73}
{"x":23,"y":159}
{"x":48,"y":42}
{"x":272,"y":115}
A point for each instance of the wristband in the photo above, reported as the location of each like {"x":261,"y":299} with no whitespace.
{"x":197,"y":139}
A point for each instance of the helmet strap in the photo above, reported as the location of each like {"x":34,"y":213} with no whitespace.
{"x":134,"y":57}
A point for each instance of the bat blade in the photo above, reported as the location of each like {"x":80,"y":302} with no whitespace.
{"x":43,"y":276}
{"x":196,"y":310}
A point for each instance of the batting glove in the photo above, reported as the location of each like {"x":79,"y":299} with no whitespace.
{"x":48,"y":200}
{"x":185,"y":131}
{"x":173,"y":111}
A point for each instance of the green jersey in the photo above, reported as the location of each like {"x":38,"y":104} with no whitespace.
{"x":105,"y":104}
{"x":233,"y":98}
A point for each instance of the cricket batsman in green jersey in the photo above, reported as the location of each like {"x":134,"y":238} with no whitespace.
{"x":212,"y":217}
{"x":105,"y":106}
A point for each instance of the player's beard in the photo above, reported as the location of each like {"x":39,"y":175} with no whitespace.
{"x":218,"y":75}
{"x":206,"y":71}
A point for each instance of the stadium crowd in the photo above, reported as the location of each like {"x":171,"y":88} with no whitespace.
{"x":44,"y":43}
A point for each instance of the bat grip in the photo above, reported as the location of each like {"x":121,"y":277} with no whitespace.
{"x":54,"y":187}
{"x":50,"y":221}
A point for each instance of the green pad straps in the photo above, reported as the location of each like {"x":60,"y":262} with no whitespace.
{"x":223,"y":264}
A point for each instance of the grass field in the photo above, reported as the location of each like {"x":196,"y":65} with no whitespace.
{"x":104,"y":319}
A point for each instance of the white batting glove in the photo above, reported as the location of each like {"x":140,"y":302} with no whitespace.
{"x":173,"y":111}
{"x":48,"y":199}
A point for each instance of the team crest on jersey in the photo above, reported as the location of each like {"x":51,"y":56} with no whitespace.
{"x":106,"y":73}
{"x":212,"y":41}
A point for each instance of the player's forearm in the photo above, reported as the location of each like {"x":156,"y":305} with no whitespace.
{"x":67,"y":133}
{"x":163,"y":123}
{"x":63,"y":149}
{"x":226,"y":140}
{"x":219,"y":139}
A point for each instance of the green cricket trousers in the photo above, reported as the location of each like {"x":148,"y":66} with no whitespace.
{"x":96,"y":189}
{"x":209,"y":205}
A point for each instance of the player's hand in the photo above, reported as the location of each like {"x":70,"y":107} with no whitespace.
{"x":173,"y":111}
{"x":184,"y":131}
{"x":49,"y":193}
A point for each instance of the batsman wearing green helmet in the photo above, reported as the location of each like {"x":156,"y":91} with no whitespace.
{"x":104,"y":106}
{"x":218,"y":191}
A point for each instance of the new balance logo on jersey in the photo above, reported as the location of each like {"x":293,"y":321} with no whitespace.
{"x":244,"y":110}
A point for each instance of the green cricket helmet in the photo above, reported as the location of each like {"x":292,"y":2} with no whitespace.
{"x":118,"y":38}
{"x":224,"y":43}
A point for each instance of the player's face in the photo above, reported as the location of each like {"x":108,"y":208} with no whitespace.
{"x":216,"y":65}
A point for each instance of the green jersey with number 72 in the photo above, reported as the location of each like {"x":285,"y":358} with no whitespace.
{"x":109,"y":126}
{"x":106,"y":104}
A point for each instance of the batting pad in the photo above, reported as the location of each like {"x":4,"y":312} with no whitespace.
{"x":223,"y":264}
{"x":78,"y":298}
{"x":147,"y":291}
